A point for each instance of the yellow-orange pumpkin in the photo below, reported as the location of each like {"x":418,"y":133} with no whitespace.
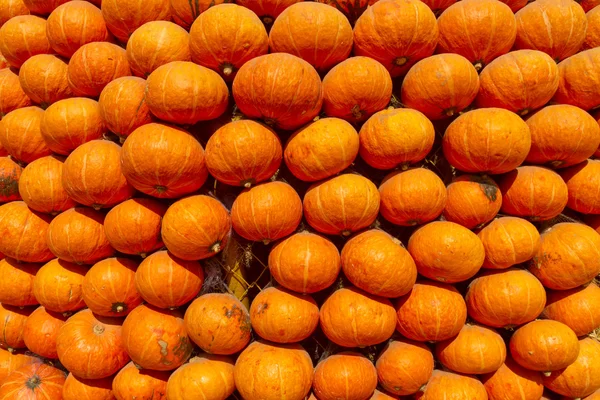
{"x":43,"y":78}
{"x":404,"y":366}
{"x":41,"y":330}
{"x":12,"y":324}
{"x":185,"y":13}
{"x":20,"y":134}
{"x":452,"y":386}
{"x":577,"y":308}
{"x":43,"y":7}
{"x":16,"y":286}
{"x":267,"y":10}
{"x":592,"y":38}
{"x":133,"y":383}
{"x":583,"y":182}
{"x":9,"y":361}
{"x":10,"y":173}
{"x":33,"y":380}
{"x":473,"y":200}
{"x":579,"y":80}
{"x":206,"y":376}
{"x":87,"y":389}
{"x":57,"y":286}
{"x":23,"y":37}
{"x":346,"y":375}
{"x":123,"y":17}
{"x":23,"y":233}
{"x":12,"y":94}
{"x":513,"y":381}
{"x":12,"y":8}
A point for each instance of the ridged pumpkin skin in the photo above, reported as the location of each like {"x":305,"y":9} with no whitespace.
{"x":225,"y":37}
{"x":12,"y":8}
{"x":41,"y":330}
{"x":23,"y":37}
{"x":355,"y":89}
{"x":40,"y":186}
{"x":23,"y":233}
{"x":16,"y":286}
{"x":92,"y":175}
{"x":370,"y":321}
{"x":205,"y":376}
{"x":554,"y":339}
{"x":185,"y":13}
{"x":473,"y":200}
{"x":11,"y":361}
{"x":95,"y":65}
{"x":345,"y":375}
{"x":282,"y":316}
{"x":577,"y":308}
{"x":12,"y":324}
{"x":314,"y":32}
{"x":12,"y":95}
{"x":588,"y":5}
{"x":77,"y":236}
{"x":535,"y":193}
{"x":10,"y":173}
{"x":267,"y":10}
{"x":43,"y":7}
{"x":196,"y":227}
{"x":397,"y":33}
{"x":243,"y":153}
{"x":352,"y":9}
{"x":133,"y":383}
{"x":556,"y":27}
{"x":583,"y":182}
{"x":534,"y":72}
{"x":43,"y":78}
{"x":33,"y":381}
{"x":218,"y":323}
{"x":20,"y":134}
{"x":305,"y":262}
{"x":123,"y":17}
{"x":579,"y":80}
{"x":185,"y":93}
{"x":592,"y":38}
{"x":341,"y":205}
{"x":283,"y":90}
{"x":404,"y":366}
{"x":511,"y":381}
{"x":377,"y":263}
{"x":87,"y":389}
{"x":166,"y":281}
{"x":452,"y":386}
{"x":57,"y":286}
{"x":257,"y":362}
{"x":569,"y":256}
{"x":69,"y":123}
{"x":74,"y":24}
{"x":321,"y":149}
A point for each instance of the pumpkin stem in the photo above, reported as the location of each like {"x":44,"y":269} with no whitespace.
{"x":248,"y":182}
{"x":160,"y":189}
{"x":478,"y":66}
{"x":121,"y":139}
{"x":267,"y":20}
{"x":33,"y":382}
{"x":143,"y":255}
{"x":346,"y":232}
{"x":524,"y":112}
{"x":547,"y":374}
{"x":10,"y":349}
{"x":450,"y":112}
{"x":215,"y":248}
{"x":556,"y":164}
{"x":98,"y":329}
{"x":400,"y":61}
{"x":118,"y":307}
{"x":404,"y":166}
{"x":227,"y":69}
{"x":97,"y":207}
{"x":266,"y":241}
{"x":356,"y":112}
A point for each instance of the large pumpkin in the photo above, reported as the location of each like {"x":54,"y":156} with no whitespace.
{"x":43,"y":7}
{"x":133,"y":383}
{"x":23,"y":37}
{"x":452,"y":386}
{"x":577,"y":308}
{"x":33,"y":381}
{"x":43,"y":78}
{"x":41,"y":330}
{"x":10,"y":173}
{"x":57,"y":286}
{"x":346,"y":375}
{"x":16,"y":286}
{"x":513,"y":381}
{"x":579,"y":80}
{"x":12,"y":8}
{"x":23,"y":233}
{"x":9,"y":361}
{"x":20,"y":134}
{"x":13,"y":96}
{"x":583,"y":182}
{"x":473,"y":201}
{"x":592,"y":38}
{"x":12,"y":325}
{"x":87,"y":389}
{"x":185,"y":13}
{"x":207,"y":376}
{"x":123,"y":17}
{"x":404,"y":366}
{"x":267,"y":10}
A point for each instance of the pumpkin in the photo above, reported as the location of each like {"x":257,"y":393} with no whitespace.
{"x":57,"y":286}
{"x":377,"y":263}
{"x":588,"y":5}
{"x":16,"y":286}
{"x":23,"y":233}
{"x":77,"y":236}
{"x":20,"y":134}
{"x":185,"y":93}
{"x":87,"y":389}
{"x":452,"y":386}
{"x":397,"y":33}
{"x":12,"y":324}
{"x":282,"y":89}
{"x":225,"y":37}
{"x":9,"y":361}
{"x":33,"y":381}
{"x":377,"y":395}
{"x":533,"y":72}
{"x":133,"y":383}
{"x":43,"y":7}
{"x":92,"y":175}
{"x":569,"y":256}
{"x":23,"y":37}
{"x":207,"y":376}
{"x":531,"y":192}
{"x":267,"y":10}
{"x":578,"y":80}
{"x":43,"y":78}
{"x":12,"y":94}
{"x":281,"y":316}
{"x":161,"y":273}
{"x":431,"y":311}
{"x":156,"y":339}
{"x":346,"y":375}
{"x":123,"y":17}
{"x":556,"y":27}
{"x":583,"y":183}
{"x":355,"y":89}
{"x":41,"y":330}
{"x":196,"y":227}
{"x":74,"y":24}
{"x":256,"y":362}
{"x":370,"y":320}
{"x":12,"y":8}
{"x":305,"y":262}
{"x":185,"y":13}
{"x":243,"y":153}
{"x":69,"y":123}
{"x":314,"y":32}
{"x":94,"y":65}
{"x":157,"y":43}
{"x":396,"y":138}
{"x":352,"y":9}
{"x":556,"y":341}
{"x":473,"y":200}
{"x":594,"y":396}
{"x":10,"y":173}
{"x":577,"y":308}
{"x":404,"y":366}
{"x":592,"y":38}
{"x":513,"y":381}
{"x":342,"y":204}
{"x":321,"y":149}
{"x":40,"y":186}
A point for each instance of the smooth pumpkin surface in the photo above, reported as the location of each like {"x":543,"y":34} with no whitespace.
{"x":579,"y":80}
{"x":404,"y":366}
{"x":10,"y":173}
{"x":16,"y":288}
{"x":592,"y":38}
{"x":43,"y":78}
{"x":20,"y":134}
{"x":87,"y":389}
{"x":352,"y":9}
{"x":41,"y":330}
{"x":185,"y":13}
{"x":267,"y":10}
{"x":207,"y":376}
{"x":12,"y":8}
{"x":124,"y":17}
{"x":43,"y":7}
{"x":513,"y":381}
{"x":23,"y":37}
{"x":12,"y":324}
{"x":33,"y":380}
{"x":13,"y":96}
{"x":582,"y":182}
{"x":11,"y":361}
{"x":452,"y":386}
{"x":346,"y":375}
{"x":577,"y":308}
{"x":472,"y":201}
{"x":57,"y":286}
{"x":131,"y":383}
{"x":23,"y":233}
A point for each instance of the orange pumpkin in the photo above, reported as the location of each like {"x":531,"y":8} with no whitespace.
{"x":12,"y":94}
{"x":196,"y":227}
{"x":185,"y":13}
{"x":77,"y":236}
{"x":579,"y":82}
{"x":370,"y":320}
{"x":69,"y":123}
{"x":41,"y":330}
{"x":431,"y":311}
{"x":352,"y":9}
{"x":23,"y":233}
{"x":156,"y":339}
{"x":583,"y":182}
{"x":43,"y":7}
{"x":473,"y":200}
{"x":305,"y":262}
{"x":569,"y":256}
{"x":321,"y":149}
{"x":342,"y":204}
{"x":377,"y":395}
{"x":577,"y":308}
{"x":341,"y":374}
{"x":377,"y":263}
{"x":507,"y":141}
{"x":12,"y":8}
{"x":397,"y":33}
{"x":513,"y":381}
{"x":11,"y":361}
{"x":87,"y":389}
{"x":10,"y":173}
{"x":33,"y":381}
{"x":404,"y":366}
{"x":267,"y":10}
{"x":355,"y":89}
{"x":282,"y":89}
{"x":161,"y":273}
{"x":57,"y":286}
{"x":40,"y":186}
{"x":23,"y":37}
{"x":206,"y":376}
{"x":133,"y":383}
{"x":16,"y":285}
{"x":593,"y":396}
{"x":535,"y":193}
{"x":533,"y":72}
{"x":451,"y":386}
{"x":43,"y":78}
{"x":74,"y":24}
{"x":225,"y":37}
{"x":123,"y":17}
{"x":588,"y":5}
{"x":12,"y":324}
{"x":243,"y":153}
{"x":592,"y":38}
{"x":20,"y":134}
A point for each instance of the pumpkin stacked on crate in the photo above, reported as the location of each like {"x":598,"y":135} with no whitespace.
{"x":349,"y":199}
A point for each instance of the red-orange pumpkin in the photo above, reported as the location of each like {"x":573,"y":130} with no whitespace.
{"x":43,"y":7}
{"x":267,"y":10}
{"x":133,"y":383}
{"x":185,"y":13}
{"x":57,"y":286}
{"x":12,"y":95}
{"x":577,"y":308}
{"x":20,"y":134}
{"x":579,"y":82}
{"x":12,"y":324}
{"x":206,"y":376}
{"x":9,"y":361}
{"x":123,"y":17}
{"x":10,"y":173}
{"x":33,"y":381}
{"x":16,"y":285}
{"x":352,"y":9}
{"x":583,"y":183}
{"x":87,"y":389}
{"x":41,"y":330}
{"x":587,"y":5}
{"x":592,"y":38}
{"x":43,"y":78}
{"x":473,"y":200}
{"x":346,"y":375}
{"x":513,"y":381}
{"x":404,"y":366}
{"x":12,"y":8}
{"x":23,"y":233}
{"x":452,"y":386}
{"x":23,"y":37}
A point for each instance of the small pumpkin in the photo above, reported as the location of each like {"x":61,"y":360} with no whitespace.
{"x":23,"y":37}
{"x":513,"y":381}
{"x":206,"y":376}
{"x":57,"y":286}
{"x":10,"y":173}
{"x":132,"y":383}
{"x":32,"y":381}
{"x":453,"y":386}
{"x":268,"y":10}
{"x":579,"y":78}
{"x":9,"y":361}
{"x":87,"y":389}
{"x":16,"y":286}
{"x":473,"y":200}
{"x":43,"y":78}
{"x":185,"y":13}
{"x":352,"y":9}
{"x":592,"y":38}
{"x":123,"y":17}
{"x":583,"y":182}
{"x":20,"y":134}
{"x":43,"y":7}
{"x":12,"y":324}
{"x":41,"y":330}
{"x":404,"y":366}
{"x":13,"y":96}
{"x":346,"y":375}
{"x":23,"y":233}
{"x":577,"y":308}
{"x":12,"y":8}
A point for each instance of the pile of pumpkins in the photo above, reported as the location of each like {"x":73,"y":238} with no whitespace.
{"x":421,"y":178}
